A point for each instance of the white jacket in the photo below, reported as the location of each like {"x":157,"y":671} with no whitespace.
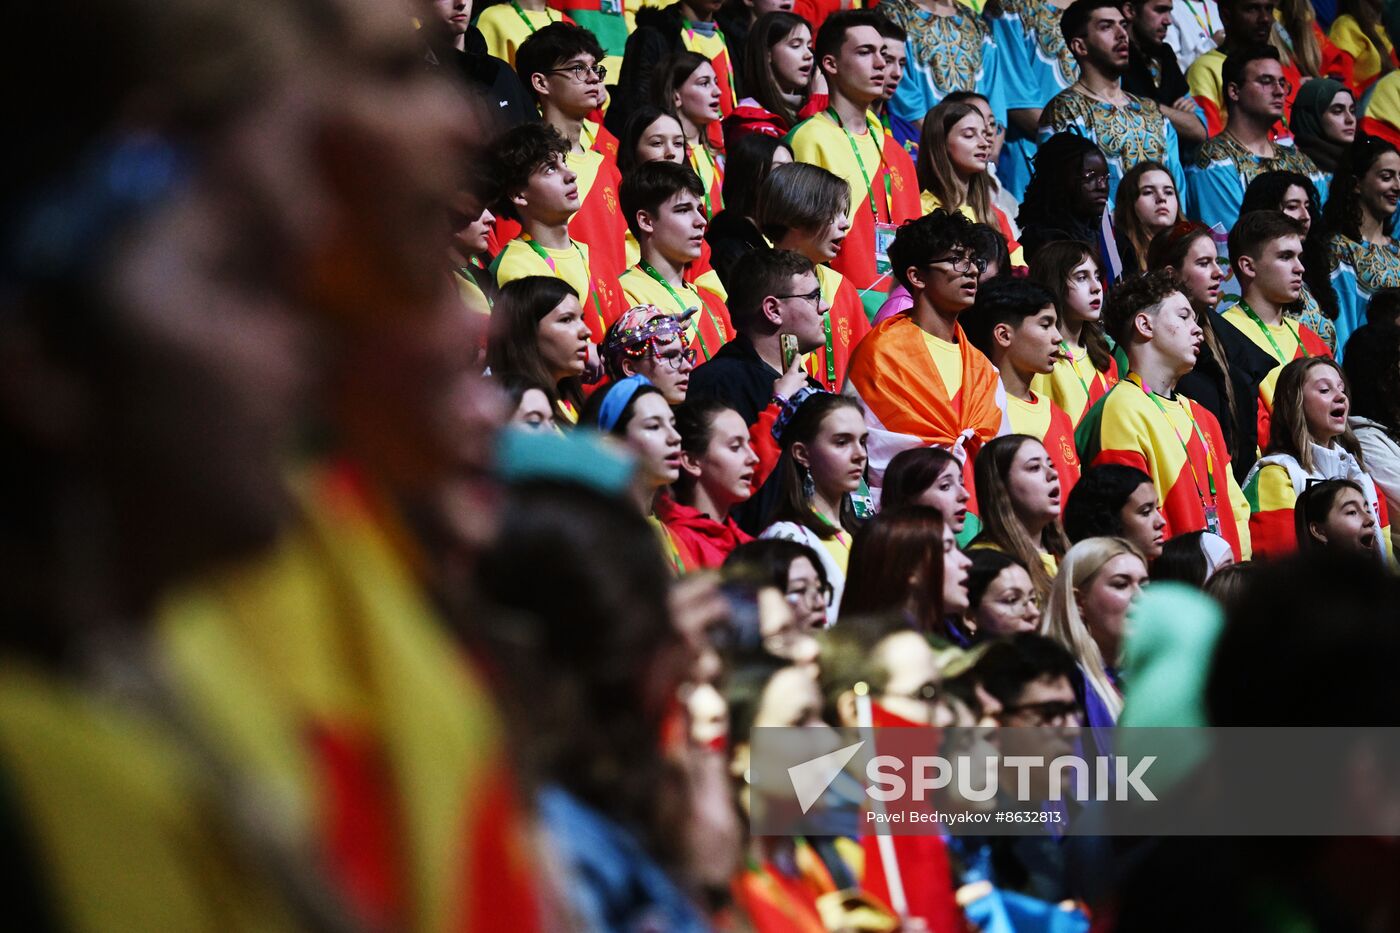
{"x":792,"y":531}
{"x":1382,"y":455}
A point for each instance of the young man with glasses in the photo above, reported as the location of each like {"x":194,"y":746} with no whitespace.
{"x":648,"y":341}
{"x":663,"y":203}
{"x":560,"y":70}
{"x":775,"y":293}
{"x":1255,"y":93}
{"x":1248,"y":24}
{"x":1128,"y":129}
{"x":921,"y":381}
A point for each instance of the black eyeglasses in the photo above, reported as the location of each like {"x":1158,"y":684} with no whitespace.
{"x":578,"y":71}
{"x":962,"y":264}
{"x":814,"y":296}
{"x":1065,"y":712}
{"x":678,"y":359}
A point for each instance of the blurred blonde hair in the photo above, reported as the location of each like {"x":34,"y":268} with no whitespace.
{"x":1065,"y":623}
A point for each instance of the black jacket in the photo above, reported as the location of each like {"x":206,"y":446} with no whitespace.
{"x":1206,"y":384}
{"x":497,"y":83}
{"x":731,"y":236}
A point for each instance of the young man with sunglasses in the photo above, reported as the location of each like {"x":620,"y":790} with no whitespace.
{"x":1255,"y":89}
{"x":559,"y":68}
{"x":921,"y":381}
{"x":664,"y":206}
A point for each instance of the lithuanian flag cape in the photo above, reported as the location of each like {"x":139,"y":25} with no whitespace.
{"x":599,"y":222}
{"x":1127,"y":427}
{"x":1272,"y":489}
{"x":323,"y":672}
{"x":906,"y":402}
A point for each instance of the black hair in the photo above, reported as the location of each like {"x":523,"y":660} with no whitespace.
{"x":793,"y":505}
{"x":1232,"y":71}
{"x":1097,"y":499}
{"x":1343,"y":211}
{"x":1314,"y":505}
{"x":1074,"y":21}
{"x":551,"y":46}
{"x":771,"y":559}
{"x":1384,"y":306}
{"x":989,"y":244}
{"x":1010,"y":664}
{"x":1182,"y":560}
{"x":987,"y":565}
{"x":1372,"y":367}
{"x":1265,"y":193}
{"x":748,"y":161}
{"x":910,"y":473}
{"x":890,"y":29}
{"x":1252,"y":232}
{"x":589,"y":416}
{"x":832,"y":35}
{"x":1003,"y":301}
{"x":652,"y":184}
{"x":695,"y":418}
{"x":917,"y":242}
{"x":1058,"y":163}
{"x":516,"y":155}
{"x":757,"y":275}
{"x":512,"y":349}
{"x":743,"y":692}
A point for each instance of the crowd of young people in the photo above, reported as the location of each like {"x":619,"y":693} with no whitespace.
{"x":483,"y":418}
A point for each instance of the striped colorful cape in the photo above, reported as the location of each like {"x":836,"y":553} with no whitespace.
{"x":323,"y":670}
{"x":1276,"y":481}
{"x":1074,"y":384}
{"x":906,"y":403}
{"x":1127,"y":427}
{"x":1306,"y":343}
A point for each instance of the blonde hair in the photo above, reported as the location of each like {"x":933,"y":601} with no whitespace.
{"x":1001,"y":526}
{"x":1298,"y":20}
{"x":1064,"y":622}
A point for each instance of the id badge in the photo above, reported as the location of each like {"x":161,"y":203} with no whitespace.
{"x":1212,"y":520}
{"x":863,"y":502}
{"x":884,"y":236}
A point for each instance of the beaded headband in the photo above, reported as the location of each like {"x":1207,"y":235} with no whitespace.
{"x":790,"y":408}
{"x":641,"y":329}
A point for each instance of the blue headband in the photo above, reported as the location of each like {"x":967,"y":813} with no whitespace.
{"x":617,"y":399}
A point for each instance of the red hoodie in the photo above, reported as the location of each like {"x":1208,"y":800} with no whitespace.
{"x":705,"y":541}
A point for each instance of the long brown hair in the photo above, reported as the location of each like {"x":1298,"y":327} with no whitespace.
{"x":756,"y":69}
{"x":1125,"y":216}
{"x":1051,"y":269}
{"x":887,"y":553}
{"x":513,"y":348}
{"x":793,"y":504}
{"x":1298,"y":21}
{"x":935,"y":170}
{"x":1001,"y":527}
{"x":1288,"y":427}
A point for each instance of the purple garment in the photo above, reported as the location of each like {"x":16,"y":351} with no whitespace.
{"x":898,"y":303}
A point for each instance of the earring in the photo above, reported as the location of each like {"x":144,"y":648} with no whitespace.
{"x":809,"y":488}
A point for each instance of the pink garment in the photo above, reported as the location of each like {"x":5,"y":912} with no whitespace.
{"x":898,"y":303}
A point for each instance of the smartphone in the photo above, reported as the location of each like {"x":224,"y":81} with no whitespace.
{"x":788,"y":342}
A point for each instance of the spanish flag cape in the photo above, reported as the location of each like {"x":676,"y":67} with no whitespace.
{"x":323,"y":670}
{"x":883,"y":190}
{"x":1189,"y":464}
{"x":906,"y":404}
{"x":1383,"y":112}
{"x":845,"y":325}
{"x":1276,"y":481}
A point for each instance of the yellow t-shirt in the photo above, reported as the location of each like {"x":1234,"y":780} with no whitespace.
{"x":1346,"y":35}
{"x":471,"y":294}
{"x":504,"y":28}
{"x":947,"y":359}
{"x":1066,"y":383}
{"x":839,"y":547}
{"x":822,"y":141}
{"x":1031,"y":417}
{"x":519,"y":259}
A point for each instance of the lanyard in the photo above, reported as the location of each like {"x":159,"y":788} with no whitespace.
{"x":1204,"y":24}
{"x":714,"y":171}
{"x":1136,"y":380}
{"x":681,"y":304}
{"x":879,"y":136}
{"x":1264,"y":329}
{"x":1074,"y":368}
{"x":830,"y":353}
{"x":549,"y":261}
{"x":515,"y":4}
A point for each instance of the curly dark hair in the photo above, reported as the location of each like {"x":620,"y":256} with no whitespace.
{"x":517,"y":155}
{"x":1057,"y":166}
{"x":1343,"y":211}
{"x":1134,"y":294}
{"x":918,"y":241}
{"x":1265,"y":193}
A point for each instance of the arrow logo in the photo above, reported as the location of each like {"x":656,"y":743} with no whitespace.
{"x":811,"y":778}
